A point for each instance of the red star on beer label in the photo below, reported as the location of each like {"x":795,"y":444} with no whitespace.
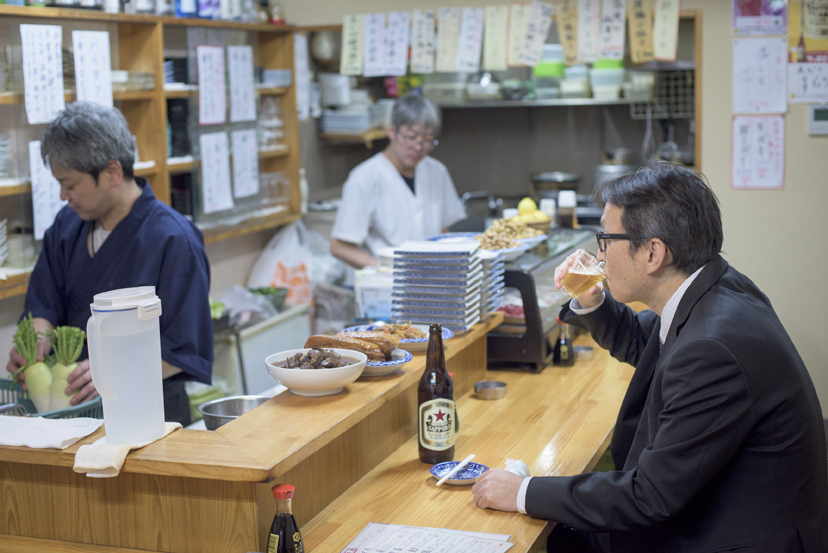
{"x":439,"y":414}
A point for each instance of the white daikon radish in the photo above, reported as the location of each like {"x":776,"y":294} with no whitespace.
{"x":67,"y":344}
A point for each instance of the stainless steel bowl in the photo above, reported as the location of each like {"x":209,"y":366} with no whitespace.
{"x":219,"y":412}
{"x":490,"y":389}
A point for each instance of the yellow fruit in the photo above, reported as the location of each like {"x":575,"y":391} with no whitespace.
{"x":527,"y":218}
{"x":540,"y":216}
{"x":527,"y":205}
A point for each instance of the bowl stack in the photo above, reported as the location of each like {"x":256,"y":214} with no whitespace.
{"x":491,"y":290}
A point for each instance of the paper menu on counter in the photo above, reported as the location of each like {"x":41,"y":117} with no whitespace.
{"x":399,"y":35}
{"x":758,"y":151}
{"x":351,"y":57}
{"x":42,"y":71}
{"x":448,"y":37}
{"x":212,"y":101}
{"x":540,"y":19}
{"x":519,"y":15}
{"x":93,"y":70}
{"x":422,"y":42}
{"x":46,"y":200}
{"x":566,"y":14}
{"x":392,"y":538}
{"x":640,"y":23}
{"x":665,"y":30}
{"x":589,"y":30}
{"x":613,"y":20}
{"x":471,"y":40}
{"x":242,"y":89}
{"x":495,"y":38}
{"x":215,"y":172}
{"x":760,"y":75}
{"x":374,"y":44}
{"x":245,"y":163}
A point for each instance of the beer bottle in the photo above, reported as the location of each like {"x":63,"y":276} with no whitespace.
{"x":563,"y":354}
{"x":436,"y":413}
{"x":284,"y":535}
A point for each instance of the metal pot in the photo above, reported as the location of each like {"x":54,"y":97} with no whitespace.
{"x":609,"y":172}
{"x":618,"y":156}
{"x":219,"y":412}
{"x":553,"y":181}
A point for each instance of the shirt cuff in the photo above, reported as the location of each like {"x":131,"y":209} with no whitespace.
{"x":521,"y":498}
{"x":576,"y":308}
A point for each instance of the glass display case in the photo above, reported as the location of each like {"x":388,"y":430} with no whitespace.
{"x":525,"y":342}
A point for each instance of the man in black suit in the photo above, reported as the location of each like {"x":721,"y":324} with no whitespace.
{"x":719,"y":443}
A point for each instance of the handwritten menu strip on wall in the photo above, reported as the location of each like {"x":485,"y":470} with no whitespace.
{"x":567,"y":15}
{"x":422,"y":43}
{"x":399,"y":31}
{"x":518,"y":21}
{"x":471,"y":40}
{"x":245,"y":163}
{"x":45,"y":192}
{"x":42,"y":71}
{"x":448,"y":36}
{"x":242,"y":89}
{"x":540,"y":19}
{"x":665,"y":30}
{"x":589,"y":30}
{"x":758,"y":151}
{"x":351,"y":57}
{"x":759,"y":75}
{"x":640,"y":22}
{"x":808,"y":82}
{"x":215,"y":173}
{"x":495,"y":38}
{"x":93,"y":70}
{"x":613,"y":19}
{"x":301,"y":63}
{"x":374,"y":44}
{"x":212,"y":101}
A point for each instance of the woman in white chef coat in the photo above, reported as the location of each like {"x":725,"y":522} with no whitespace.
{"x":400,"y":193}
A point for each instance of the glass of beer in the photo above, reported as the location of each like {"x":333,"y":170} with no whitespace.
{"x":586,"y":271}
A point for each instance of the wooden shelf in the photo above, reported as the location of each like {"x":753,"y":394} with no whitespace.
{"x":272,"y":91}
{"x":368,"y":137}
{"x":189,"y":166}
{"x":186,"y":93}
{"x":248,"y":227}
{"x":15,"y":285}
{"x":270,"y":154}
{"x":7,"y":98}
{"x":146,"y":171}
{"x":14,"y":190}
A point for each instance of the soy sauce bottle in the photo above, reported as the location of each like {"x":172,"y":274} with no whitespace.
{"x":436,"y":413}
{"x":284,"y":534}
{"x":562,"y":354}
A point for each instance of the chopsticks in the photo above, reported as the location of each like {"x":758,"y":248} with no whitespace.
{"x":456,"y":469}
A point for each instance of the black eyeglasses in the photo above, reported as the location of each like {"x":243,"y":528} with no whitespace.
{"x":602,"y":238}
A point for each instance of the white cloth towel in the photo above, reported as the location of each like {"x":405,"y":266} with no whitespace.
{"x":41,"y":433}
{"x":101,"y":460}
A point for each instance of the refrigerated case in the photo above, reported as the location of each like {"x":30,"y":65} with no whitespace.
{"x":526,"y":342}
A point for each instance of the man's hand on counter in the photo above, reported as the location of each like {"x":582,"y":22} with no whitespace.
{"x":497,"y":489}
{"x":81,"y":379}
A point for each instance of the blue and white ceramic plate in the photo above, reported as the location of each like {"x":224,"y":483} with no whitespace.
{"x":463,"y":478}
{"x":510,"y":254}
{"x":411,"y":344}
{"x":453,"y":237}
{"x":399,"y":357}
{"x":533,"y":241}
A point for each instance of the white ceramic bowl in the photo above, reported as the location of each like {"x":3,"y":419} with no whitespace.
{"x":316,"y":382}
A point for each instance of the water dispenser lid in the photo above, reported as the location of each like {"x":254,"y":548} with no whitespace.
{"x":142,"y":298}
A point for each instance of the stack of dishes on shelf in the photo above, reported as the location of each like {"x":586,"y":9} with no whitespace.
{"x":437,"y":283}
{"x":132,"y":80}
{"x":4,"y":244}
{"x":5,"y":154}
{"x":175,"y":70}
{"x":491,"y":290}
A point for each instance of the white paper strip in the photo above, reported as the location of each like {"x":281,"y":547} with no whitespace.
{"x":758,"y":146}
{"x":519,"y":15}
{"x":212,"y":101}
{"x":216,"y":193}
{"x":665,"y":30}
{"x":413,"y":539}
{"x":374,"y":45}
{"x":93,"y":70}
{"x":242,"y":89}
{"x":448,"y":36}
{"x":495,"y":38}
{"x":245,"y":163}
{"x":613,"y":25}
{"x":351,"y":57}
{"x":589,"y":30}
{"x":46,"y":200}
{"x":760,"y":75}
{"x":42,"y":71}
{"x":303,"y":76}
{"x":422,"y":42}
{"x":471,"y":40}
{"x":808,"y":82}
{"x":537,"y":28}
{"x":399,"y":34}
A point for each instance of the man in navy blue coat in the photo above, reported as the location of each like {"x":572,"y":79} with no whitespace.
{"x":719,"y":443}
{"x":115,"y":234}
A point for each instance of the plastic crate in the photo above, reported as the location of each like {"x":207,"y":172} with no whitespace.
{"x":91,"y":409}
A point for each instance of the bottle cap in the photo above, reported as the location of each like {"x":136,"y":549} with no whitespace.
{"x":283,"y":491}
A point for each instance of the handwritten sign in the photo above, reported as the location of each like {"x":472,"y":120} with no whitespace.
{"x":758,"y":151}
{"x":45,"y":192}
{"x":567,"y":15}
{"x":352,"y":54}
{"x":518,"y":22}
{"x":665,"y":30}
{"x":212,"y":101}
{"x":245,"y":163}
{"x":808,"y":82}
{"x":42,"y":71}
{"x":215,"y":173}
{"x":471,"y":40}
{"x":613,"y":19}
{"x":93,"y":70}
{"x":242,"y":89}
{"x":448,"y":38}
{"x":759,"y":75}
{"x":495,"y":38}
{"x":422,"y":42}
{"x":374,"y":45}
{"x":399,"y":34}
{"x":640,"y":23}
{"x":537,"y":28}
{"x":589,"y":30}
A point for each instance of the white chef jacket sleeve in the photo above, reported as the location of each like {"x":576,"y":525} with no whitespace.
{"x":452,"y":207}
{"x":353,"y":219}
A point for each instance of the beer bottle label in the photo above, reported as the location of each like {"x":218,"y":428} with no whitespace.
{"x":437,"y":424}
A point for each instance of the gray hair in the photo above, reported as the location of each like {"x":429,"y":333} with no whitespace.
{"x":86,"y":137}
{"x":413,"y":108}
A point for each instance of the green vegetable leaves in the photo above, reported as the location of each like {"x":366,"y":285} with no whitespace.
{"x":25,"y":339}
{"x":67,"y":343}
